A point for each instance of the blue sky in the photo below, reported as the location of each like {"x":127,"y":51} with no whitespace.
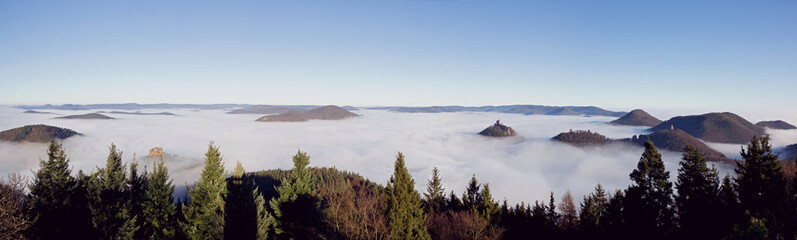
{"x":614,"y":54}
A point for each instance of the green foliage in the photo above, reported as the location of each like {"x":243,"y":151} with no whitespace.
{"x":407,"y":219}
{"x":698,"y":198}
{"x":246,"y":216}
{"x":593,"y":213}
{"x":753,"y":229}
{"x":435,"y":193}
{"x":137,"y":187}
{"x":158,"y":209}
{"x":110,"y":200}
{"x":204,"y":214}
{"x":52,"y":185}
{"x":472,"y":197}
{"x":648,"y":202}
{"x":488,"y":208}
{"x":762,"y":187}
{"x":297,"y":208}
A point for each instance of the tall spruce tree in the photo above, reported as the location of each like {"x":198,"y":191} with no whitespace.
{"x":246,"y":217}
{"x":111,"y":198}
{"x":406,"y":216}
{"x":158,"y":208}
{"x":137,"y":187}
{"x":762,"y":187}
{"x":648,"y":201}
{"x":488,"y":208}
{"x":472,"y":197}
{"x":435,"y":193}
{"x":297,"y":210}
{"x":53,"y":198}
{"x":698,"y":198}
{"x":204,"y":214}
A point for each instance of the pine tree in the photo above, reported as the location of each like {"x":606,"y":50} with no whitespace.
{"x":50,"y":196}
{"x":589,"y":219}
{"x":472,"y":198}
{"x":615,"y":216}
{"x":137,"y":187}
{"x":435,"y":193}
{"x":762,"y":187}
{"x":297,"y":210}
{"x":244,"y":208}
{"x":204,"y":214}
{"x":488,"y":208}
{"x":158,"y":208}
{"x":407,"y":218}
{"x":698,"y":196}
{"x":648,"y":202}
{"x":111,"y":198}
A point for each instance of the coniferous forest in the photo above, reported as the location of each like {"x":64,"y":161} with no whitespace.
{"x":120,"y":201}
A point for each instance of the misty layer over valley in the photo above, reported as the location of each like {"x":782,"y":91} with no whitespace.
{"x":366,"y":145}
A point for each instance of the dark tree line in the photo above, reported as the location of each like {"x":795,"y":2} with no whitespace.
{"x":118,"y":201}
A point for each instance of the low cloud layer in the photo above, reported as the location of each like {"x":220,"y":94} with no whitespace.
{"x":518,"y":169}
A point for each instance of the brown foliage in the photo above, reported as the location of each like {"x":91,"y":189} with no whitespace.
{"x":568,"y":214}
{"x":354,"y":210}
{"x":14,"y":220}
{"x":464,"y":224}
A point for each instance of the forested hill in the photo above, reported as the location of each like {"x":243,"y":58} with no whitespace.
{"x":637,"y":117}
{"x":777,"y":124}
{"x":714,"y":127}
{"x":676,"y":140}
{"x":36,"y":133}
{"x":582,"y":138}
{"x":323,"y":113}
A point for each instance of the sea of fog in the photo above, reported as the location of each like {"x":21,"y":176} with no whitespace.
{"x":525,"y":169}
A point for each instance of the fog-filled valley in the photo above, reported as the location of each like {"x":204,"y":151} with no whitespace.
{"x":368,"y":144}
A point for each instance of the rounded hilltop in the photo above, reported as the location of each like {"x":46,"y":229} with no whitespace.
{"x":498,"y":130}
{"x":637,"y":117}
{"x":36,"y":133}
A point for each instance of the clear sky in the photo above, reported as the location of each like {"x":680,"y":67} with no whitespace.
{"x":616,"y":54}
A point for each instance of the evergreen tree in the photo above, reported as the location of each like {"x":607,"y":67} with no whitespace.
{"x":204,"y":214}
{"x":297,"y":210}
{"x":407,"y":218}
{"x":158,"y":208}
{"x":111,"y":198}
{"x":435,"y":193}
{"x":488,"y":208}
{"x":589,"y":219}
{"x":762,"y":187}
{"x":137,"y":187}
{"x":648,"y":202}
{"x":472,"y":198}
{"x":698,"y":196}
{"x":245,"y":217}
{"x":752,"y":229}
{"x":551,"y":216}
{"x":615,"y":216}
{"x":54,"y":197}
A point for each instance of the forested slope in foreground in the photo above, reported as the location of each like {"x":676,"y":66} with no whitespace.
{"x":118,"y":201}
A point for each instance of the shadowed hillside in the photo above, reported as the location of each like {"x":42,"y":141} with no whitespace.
{"x":714,"y":127}
{"x":637,"y":117}
{"x":777,"y":124}
{"x":36,"y":133}
{"x":676,"y":140}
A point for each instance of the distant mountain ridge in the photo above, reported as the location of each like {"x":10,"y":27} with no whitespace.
{"x":777,"y":124}
{"x":723,"y":127}
{"x":36,"y":133}
{"x":330,"y":112}
{"x":519,"y":109}
{"x":637,"y":117}
{"x":131,"y":106}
